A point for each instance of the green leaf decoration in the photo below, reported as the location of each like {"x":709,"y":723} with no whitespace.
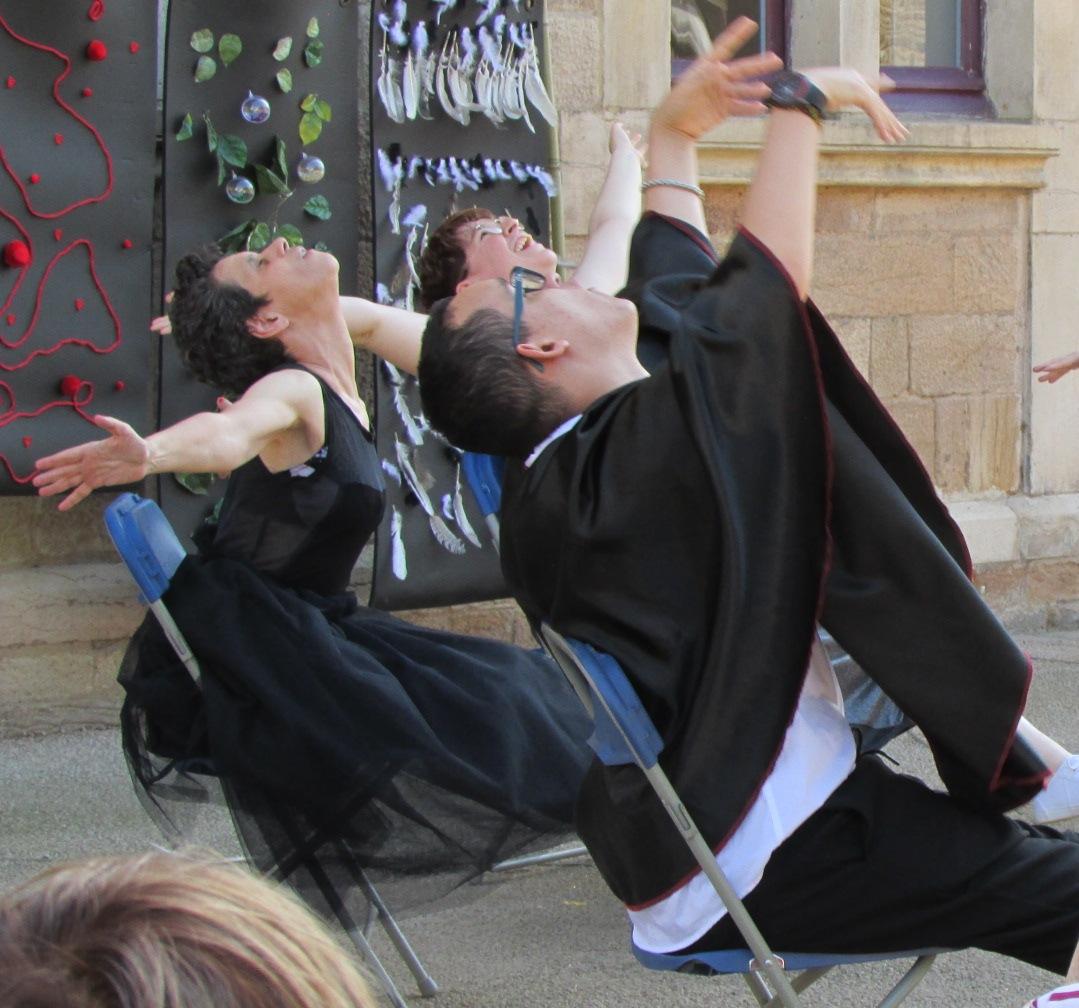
{"x":290,"y":233}
{"x":205,"y":69}
{"x":229,"y":47}
{"x":187,"y":128}
{"x":236,"y":239}
{"x":222,"y":169}
{"x":211,"y":133}
{"x":232,"y":150}
{"x":312,"y":52}
{"x":321,"y":247}
{"x":259,"y":237}
{"x":202,"y":41}
{"x":322,"y":109}
{"x":318,"y":207}
{"x":310,"y":128}
{"x":196,"y":483}
{"x":308,"y":103}
{"x":269,"y":182}
{"x":282,"y":49}
{"x":312,"y":28}
{"x":280,"y":158}
{"x":284,"y":80}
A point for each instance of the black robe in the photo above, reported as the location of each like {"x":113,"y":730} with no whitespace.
{"x":697,"y":524}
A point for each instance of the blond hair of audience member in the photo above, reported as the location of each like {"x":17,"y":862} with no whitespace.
{"x":163,"y":930}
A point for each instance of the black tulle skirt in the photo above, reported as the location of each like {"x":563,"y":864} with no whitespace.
{"x":343,"y":738}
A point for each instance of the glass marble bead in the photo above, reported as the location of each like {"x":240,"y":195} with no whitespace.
{"x":240,"y":189}
{"x":310,"y":168}
{"x":255,"y":108}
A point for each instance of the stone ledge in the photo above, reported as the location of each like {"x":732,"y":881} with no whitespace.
{"x":1020,"y":528}
{"x":940,"y":153}
{"x":991,"y":529}
{"x":76,"y":603}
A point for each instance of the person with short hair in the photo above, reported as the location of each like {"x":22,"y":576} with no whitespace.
{"x":167,"y":930}
{"x":697,"y":521}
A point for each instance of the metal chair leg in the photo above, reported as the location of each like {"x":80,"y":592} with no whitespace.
{"x":424,"y":981}
{"x":542,"y":858}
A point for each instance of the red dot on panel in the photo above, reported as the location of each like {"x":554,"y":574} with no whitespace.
{"x":127,"y":243}
{"x":69,"y":385}
{"x":96,"y":50}
{"x":133,"y":47}
{"x":27,"y":441}
{"x":58,"y":138}
{"x":119,"y":385}
{"x":16,"y":253}
{"x":34,"y":179}
{"x":87,"y":92}
{"x":10,"y":82}
{"x":79,"y":304}
{"x":58,"y":233}
{"x":10,"y":320}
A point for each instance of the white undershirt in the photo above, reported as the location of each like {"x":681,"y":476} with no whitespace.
{"x":817,"y":756}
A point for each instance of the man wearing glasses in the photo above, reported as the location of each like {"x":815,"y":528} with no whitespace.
{"x":696,"y":522}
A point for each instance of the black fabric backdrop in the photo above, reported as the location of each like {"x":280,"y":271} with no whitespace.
{"x":39,"y":137}
{"x":196,"y":210}
{"x":437,"y":576}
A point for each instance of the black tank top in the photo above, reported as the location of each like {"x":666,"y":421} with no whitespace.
{"x":305,"y":526}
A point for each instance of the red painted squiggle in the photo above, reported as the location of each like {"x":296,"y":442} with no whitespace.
{"x":11,"y":414}
{"x":70,"y":340}
{"x":75,"y":115}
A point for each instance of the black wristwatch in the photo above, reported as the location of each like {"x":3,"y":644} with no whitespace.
{"x":792,"y":90}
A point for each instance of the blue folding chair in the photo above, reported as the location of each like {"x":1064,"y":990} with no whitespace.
{"x":149,"y":547}
{"x":623,"y":734}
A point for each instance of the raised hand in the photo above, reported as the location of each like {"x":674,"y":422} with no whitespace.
{"x":1055,"y":369}
{"x":123,"y":457}
{"x":847,"y":88}
{"x":623,"y":143}
{"x":716,"y":86}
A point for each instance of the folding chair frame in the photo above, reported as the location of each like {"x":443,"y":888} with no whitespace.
{"x":151,"y":551}
{"x":623,"y":734}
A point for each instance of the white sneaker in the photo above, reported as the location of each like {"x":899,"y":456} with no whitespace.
{"x":1060,"y":797}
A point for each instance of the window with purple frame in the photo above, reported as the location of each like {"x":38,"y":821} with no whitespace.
{"x":694,"y":23}
{"x":932,"y":49}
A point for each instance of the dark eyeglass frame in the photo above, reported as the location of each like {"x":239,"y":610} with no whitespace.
{"x":523,"y":281}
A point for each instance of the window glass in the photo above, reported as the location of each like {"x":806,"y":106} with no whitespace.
{"x":694,"y":23}
{"x":921,"y":33}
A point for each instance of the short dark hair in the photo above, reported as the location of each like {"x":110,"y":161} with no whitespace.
{"x":478,"y":391}
{"x":442,"y":264}
{"x":209,"y":325}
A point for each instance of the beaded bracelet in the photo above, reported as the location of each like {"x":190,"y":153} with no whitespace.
{"x":671,"y":183}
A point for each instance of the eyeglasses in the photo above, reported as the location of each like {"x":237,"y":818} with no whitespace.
{"x":524,"y":281}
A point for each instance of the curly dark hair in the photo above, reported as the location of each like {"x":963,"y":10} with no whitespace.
{"x":209,"y":325}
{"x":478,"y":392}
{"x":442,"y":263}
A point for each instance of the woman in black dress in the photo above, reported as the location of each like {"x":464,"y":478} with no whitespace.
{"x":333,"y":728}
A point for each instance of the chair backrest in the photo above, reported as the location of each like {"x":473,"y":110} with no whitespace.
{"x":484,"y":476}
{"x":622,"y":731}
{"x":146,"y":541}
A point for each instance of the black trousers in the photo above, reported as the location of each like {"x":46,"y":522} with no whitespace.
{"x":888,"y":864}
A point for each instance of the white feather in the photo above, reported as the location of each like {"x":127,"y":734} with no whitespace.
{"x":459,"y":512}
{"x":397,"y":547}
